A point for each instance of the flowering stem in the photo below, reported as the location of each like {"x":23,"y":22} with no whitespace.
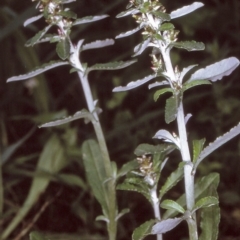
{"x":188,"y":177}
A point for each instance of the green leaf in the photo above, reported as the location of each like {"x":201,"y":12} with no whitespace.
{"x":166,"y":225}
{"x":171,"y":109}
{"x":72,"y":180}
{"x":188,"y":85}
{"x":80,"y":114}
{"x":171,"y":181}
{"x":51,"y":161}
{"x":89,"y":19}
{"x":136,"y":185}
{"x":197,"y":148}
{"x":95,"y":171}
{"x":63,"y":49}
{"x":216,"y":144}
{"x":128,"y":12}
{"x":170,"y":204}
{"x":38,"y":70}
{"x":163,"y":16}
{"x":158,"y":93}
{"x":189,"y":45}
{"x":123,"y":212}
{"x":166,"y":26}
{"x":200,"y":187}
{"x":34,"y":40}
{"x":210,"y":217}
{"x":127,"y":167}
{"x":36,"y":236}
{"x":111,"y":65}
{"x":205,"y":202}
{"x":143,"y":230}
{"x":146,"y":148}
{"x":68,"y":14}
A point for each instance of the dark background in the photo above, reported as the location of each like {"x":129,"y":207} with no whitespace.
{"x":128,"y":119}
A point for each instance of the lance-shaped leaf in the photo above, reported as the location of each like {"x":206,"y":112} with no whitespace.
{"x":67,"y":1}
{"x":128,"y":33}
{"x":199,"y":188}
{"x":45,"y":67}
{"x":122,"y":213}
{"x":111,"y":65}
{"x":95,"y":171}
{"x":171,"y":109}
{"x":188,"y":45}
{"x":192,"y":84}
{"x":80,"y":114}
{"x":63,"y":49}
{"x":49,"y":38}
{"x":145,"y":148}
{"x":134,"y":84}
{"x":185,"y":10}
{"x":36,"y":236}
{"x":216,"y":144}
{"x":143,"y":230}
{"x":170,"y":204}
{"x":158,"y":84}
{"x":68,"y":14}
{"x":136,"y":185}
{"x":172,"y":180}
{"x":167,"y":137}
{"x":51,"y":161}
{"x":205,"y":202}
{"x":141,"y":47}
{"x":34,"y":40}
{"x":185,"y":71}
{"x":127,"y":167}
{"x":158,"y":93}
{"x":216,"y":71}
{"x":89,"y":19}
{"x":197,"y":148}
{"x":128,"y":12}
{"x":166,"y":225}
{"x":210,"y":217}
{"x":32,"y":19}
{"x":98,"y":44}
{"x":166,"y":27}
{"x":163,"y":16}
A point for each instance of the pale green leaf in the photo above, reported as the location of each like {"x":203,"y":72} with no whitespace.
{"x":111,"y":65}
{"x":158,"y":93}
{"x":143,"y":230}
{"x":216,"y":144}
{"x":128,"y":33}
{"x":200,"y":187}
{"x":170,"y":204}
{"x":205,"y":202}
{"x":95,"y":171}
{"x":128,"y":12}
{"x":189,"y":45}
{"x":36,"y":236}
{"x":80,"y":114}
{"x":171,"y":181}
{"x":163,"y":16}
{"x":89,"y":19}
{"x":34,"y":40}
{"x":171,"y":109}
{"x":68,"y":14}
{"x":123,"y":212}
{"x":51,"y":161}
{"x":185,"y":10}
{"x":63,"y":49}
{"x":45,"y":67}
{"x":216,"y":71}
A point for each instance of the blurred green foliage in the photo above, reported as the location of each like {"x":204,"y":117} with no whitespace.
{"x":127,"y":119}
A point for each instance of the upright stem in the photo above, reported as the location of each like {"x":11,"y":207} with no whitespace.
{"x":188,"y":177}
{"x":155,"y":205}
{"x":112,"y":207}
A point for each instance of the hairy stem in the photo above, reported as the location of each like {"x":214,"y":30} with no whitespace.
{"x":155,"y":205}
{"x":188,"y":177}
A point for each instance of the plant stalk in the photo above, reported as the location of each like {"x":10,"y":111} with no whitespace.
{"x":112,"y":208}
{"x":188,"y":177}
